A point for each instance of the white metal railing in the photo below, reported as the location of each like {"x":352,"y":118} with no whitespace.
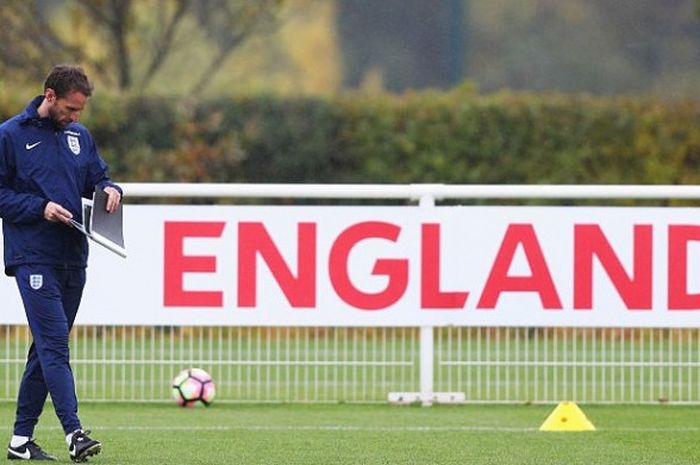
{"x":426,"y":194}
{"x":314,"y":364}
{"x":581,"y":364}
{"x":412,"y":191}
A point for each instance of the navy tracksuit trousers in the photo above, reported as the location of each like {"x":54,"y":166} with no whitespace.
{"x":51,"y":297}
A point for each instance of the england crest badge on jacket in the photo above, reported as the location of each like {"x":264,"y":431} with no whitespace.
{"x":74,"y":144}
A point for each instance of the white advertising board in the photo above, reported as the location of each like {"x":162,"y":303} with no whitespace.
{"x":394,"y":266}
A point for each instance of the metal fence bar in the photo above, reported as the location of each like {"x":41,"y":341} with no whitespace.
{"x":255,"y":364}
{"x":411,"y":191}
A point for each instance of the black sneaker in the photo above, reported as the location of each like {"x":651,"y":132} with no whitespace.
{"x":30,"y":450}
{"x":81,"y":446}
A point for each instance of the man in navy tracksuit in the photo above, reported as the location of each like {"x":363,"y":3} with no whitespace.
{"x":48,"y":162}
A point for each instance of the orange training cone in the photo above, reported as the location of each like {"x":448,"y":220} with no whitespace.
{"x":567,"y":416}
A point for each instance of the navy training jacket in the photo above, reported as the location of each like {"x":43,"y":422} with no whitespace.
{"x":40,"y":162}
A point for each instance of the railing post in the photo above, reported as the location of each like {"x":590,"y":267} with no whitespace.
{"x":426,"y":365}
{"x":426,"y":340}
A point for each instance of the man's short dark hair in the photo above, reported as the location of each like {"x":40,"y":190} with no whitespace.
{"x":64,"y":79}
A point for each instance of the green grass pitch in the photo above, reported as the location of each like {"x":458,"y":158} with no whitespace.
{"x":339,"y":434}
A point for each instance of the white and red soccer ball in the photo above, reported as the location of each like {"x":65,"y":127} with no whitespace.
{"x":193,"y":387}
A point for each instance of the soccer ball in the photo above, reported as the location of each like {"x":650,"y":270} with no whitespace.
{"x":193,"y":387}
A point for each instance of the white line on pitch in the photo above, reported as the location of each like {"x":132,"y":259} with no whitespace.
{"x":346,"y":428}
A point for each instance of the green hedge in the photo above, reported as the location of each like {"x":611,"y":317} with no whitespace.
{"x":453,"y":137}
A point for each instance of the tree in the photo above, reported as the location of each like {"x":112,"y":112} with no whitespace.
{"x":411,"y":43}
{"x":125,"y":43}
{"x":604,"y":47}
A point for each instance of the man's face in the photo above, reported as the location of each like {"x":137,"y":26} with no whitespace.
{"x":65,"y":110}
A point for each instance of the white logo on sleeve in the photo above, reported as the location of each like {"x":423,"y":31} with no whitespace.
{"x":36,"y":281}
{"x":74,"y":144}
{"x":29,"y":146}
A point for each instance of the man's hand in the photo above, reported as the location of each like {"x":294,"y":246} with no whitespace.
{"x":55,"y":213}
{"x":113,"y":198}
